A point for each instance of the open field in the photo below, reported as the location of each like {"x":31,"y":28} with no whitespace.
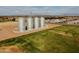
{"x":10,"y":30}
{"x":60,"y":39}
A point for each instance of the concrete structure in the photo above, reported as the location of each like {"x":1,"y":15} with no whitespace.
{"x":32,"y":23}
{"x":21,"y":24}
{"x":29,"y":23}
{"x":37,"y":24}
{"x":42,"y":22}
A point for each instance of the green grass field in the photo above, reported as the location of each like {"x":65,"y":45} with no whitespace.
{"x":60,"y":39}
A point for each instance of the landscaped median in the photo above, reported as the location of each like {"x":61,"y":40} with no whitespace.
{"x":60,"y":39}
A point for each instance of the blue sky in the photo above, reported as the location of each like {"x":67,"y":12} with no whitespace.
{"x":39,"y":10}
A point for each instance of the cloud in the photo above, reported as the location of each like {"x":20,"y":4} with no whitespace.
{"x":44,"y":10}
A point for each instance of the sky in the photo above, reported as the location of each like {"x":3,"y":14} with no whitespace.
{"x":39,"y":10}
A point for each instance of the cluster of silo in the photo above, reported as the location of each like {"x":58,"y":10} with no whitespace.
{"x":30,"y":23}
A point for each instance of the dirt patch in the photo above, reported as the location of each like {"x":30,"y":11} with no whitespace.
{"x":10,"y":49}
{"x":65,"y":34}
